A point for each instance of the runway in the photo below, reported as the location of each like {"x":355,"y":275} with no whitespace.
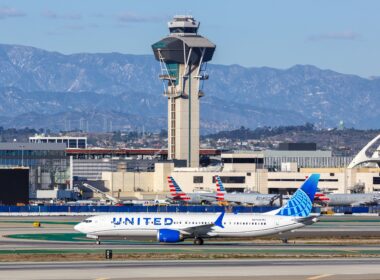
{"x":304,"y":257}
{"x":206,"y":269}
{"x":57,"y":236}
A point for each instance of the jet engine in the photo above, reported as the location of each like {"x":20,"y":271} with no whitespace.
{"x":169,"y":236}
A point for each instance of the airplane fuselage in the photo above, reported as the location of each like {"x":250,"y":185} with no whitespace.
{"x":352,"y":199}
{"x":253,"y":199}
{"x":195,"y":198}
{"x":148,"y":224}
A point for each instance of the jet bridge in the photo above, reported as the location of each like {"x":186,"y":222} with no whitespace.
{"x":103,"y":194}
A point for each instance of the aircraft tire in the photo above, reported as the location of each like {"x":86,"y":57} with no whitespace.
{"x":198,"y":241}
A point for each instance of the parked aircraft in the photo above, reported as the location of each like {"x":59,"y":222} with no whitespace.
{"x":193,"y":198}
{"x":255,"y":199}
{"x":137,"y":202}
{"x":176,"y":227}
{"x":353,"y":199}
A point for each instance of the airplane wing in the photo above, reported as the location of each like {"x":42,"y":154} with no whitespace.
{"x":174,"y":198}
{"x":227,"y":200}
{"x":356,"y":204}
{"x":363,"y":203}
{"x":208,"y":195}
{"x":203,"y":230}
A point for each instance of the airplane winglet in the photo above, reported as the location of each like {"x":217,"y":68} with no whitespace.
{"x":219,"y":220}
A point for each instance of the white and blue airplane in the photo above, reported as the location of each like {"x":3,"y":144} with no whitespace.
{"x":176,"y":227}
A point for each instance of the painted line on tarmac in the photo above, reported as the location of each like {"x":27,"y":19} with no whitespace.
{"x":320,"y":276}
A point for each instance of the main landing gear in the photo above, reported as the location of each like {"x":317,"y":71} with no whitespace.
{"x":198,"y":241}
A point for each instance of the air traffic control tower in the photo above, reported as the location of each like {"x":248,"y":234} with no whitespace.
{"x":183,"y":55}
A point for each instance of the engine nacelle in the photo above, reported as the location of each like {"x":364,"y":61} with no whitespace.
{"x":169,"y":236}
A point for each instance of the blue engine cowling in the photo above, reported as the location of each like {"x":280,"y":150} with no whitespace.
{"x":169,"y":236}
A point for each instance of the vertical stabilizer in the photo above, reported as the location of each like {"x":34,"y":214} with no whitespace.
{"x":220,"y":190}
{"x":175,"y":190}
{"x":301,"y":203}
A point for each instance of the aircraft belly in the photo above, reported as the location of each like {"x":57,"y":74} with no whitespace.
{"x":255,"y":232}
{"x":127,"y":232}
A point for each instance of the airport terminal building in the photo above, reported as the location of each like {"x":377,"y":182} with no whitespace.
{"x":270,"y":171}
{"x":48,"y":164}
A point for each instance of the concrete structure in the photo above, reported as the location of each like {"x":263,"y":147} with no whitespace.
{"x":91,"y":169}
{"x":61,"y":194}
{"x":71,"y":142}
{"x":247,"y":172}
{"x":136,"y":183}
{"x":182,"y":56}
{"x":274,"y":160}
{"x":362,"y":158}
{"x":99,"y":153}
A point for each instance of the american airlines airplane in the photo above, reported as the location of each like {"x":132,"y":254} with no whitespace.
{"x":176,"y":227}
{"x":353,"y":199}
{"x":193,"y":198}
{"x":255,"y":199}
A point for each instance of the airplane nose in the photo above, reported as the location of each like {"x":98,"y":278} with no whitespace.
{"x":78,"y":227}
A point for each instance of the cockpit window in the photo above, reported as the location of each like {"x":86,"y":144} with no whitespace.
{"x":87,"y":221}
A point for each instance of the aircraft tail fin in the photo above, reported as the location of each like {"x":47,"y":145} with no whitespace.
{"x":301,"y":203}
{"x":220,"y":190}
{"x":175,"y":190}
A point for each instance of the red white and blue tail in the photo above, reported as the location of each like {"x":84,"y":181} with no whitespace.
{"x":220,"y":190}
{"x":175,"y":190}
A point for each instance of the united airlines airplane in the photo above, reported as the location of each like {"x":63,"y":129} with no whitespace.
{"x":176,"y":227}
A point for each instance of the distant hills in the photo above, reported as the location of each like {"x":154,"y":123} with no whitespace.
{"x":105,"y":91}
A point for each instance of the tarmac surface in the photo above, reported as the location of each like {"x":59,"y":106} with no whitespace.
{"x":206,"y":269}
{"x":282,"y":261}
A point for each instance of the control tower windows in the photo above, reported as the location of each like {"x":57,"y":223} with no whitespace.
{"x":183,"y":30}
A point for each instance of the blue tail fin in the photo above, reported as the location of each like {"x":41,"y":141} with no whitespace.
{"x":301,"y":202}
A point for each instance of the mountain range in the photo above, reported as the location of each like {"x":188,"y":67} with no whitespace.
{"x":113,"y":91}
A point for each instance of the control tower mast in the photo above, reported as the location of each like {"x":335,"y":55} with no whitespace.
{"x":183,"y":55}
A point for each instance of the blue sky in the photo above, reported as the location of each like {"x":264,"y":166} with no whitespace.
{"x":342,"y":35}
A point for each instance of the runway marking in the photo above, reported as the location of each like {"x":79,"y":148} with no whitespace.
{"x":320,"y":276}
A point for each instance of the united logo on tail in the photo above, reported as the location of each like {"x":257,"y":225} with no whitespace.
{"x":175,"y":190}
{"x":301,"y":202}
